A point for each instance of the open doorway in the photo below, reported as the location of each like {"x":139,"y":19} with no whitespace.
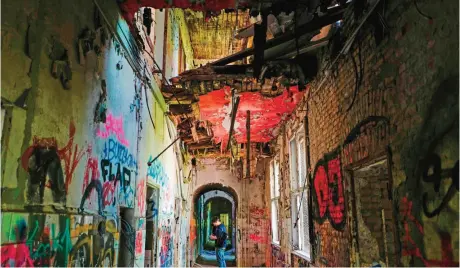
{"x":375,"y":222}
{"x":208,"y":204}
{"x":151,"y":229}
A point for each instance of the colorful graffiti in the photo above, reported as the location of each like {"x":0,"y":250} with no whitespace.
{"x":113,"y":125}
{"x":139,"y":242}
{"x":113,"y":178}
{"x":43,"y":158}
{"x":42,"y":245}
{"x":192,"y":231}
{"x":116,"y":152}
{"x":157,"y":172}
{"x":428,"y":197}
{"x":256,"y":212}
{"x":141,"y":196}
{"x":258,"y":224}
{"x":327,"y":176}
{"x":101,"y":244}
{"x":410,"y":247}
{"x":166,"y":250}
{"x":328,"y":185}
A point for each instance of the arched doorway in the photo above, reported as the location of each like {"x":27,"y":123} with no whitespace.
{"x":209,"y":201}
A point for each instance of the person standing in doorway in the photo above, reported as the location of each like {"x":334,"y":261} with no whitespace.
{"x":219,"y":234}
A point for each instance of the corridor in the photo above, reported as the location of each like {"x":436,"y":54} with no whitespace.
{"x":320,"y":133}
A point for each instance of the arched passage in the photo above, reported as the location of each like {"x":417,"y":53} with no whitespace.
{"x":214,"y":200}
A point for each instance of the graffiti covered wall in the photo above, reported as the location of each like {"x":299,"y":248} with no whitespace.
{"x":76,"y":162}
{"x":383,"y":148}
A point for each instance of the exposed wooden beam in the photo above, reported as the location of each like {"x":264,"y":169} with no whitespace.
{"x":232,"y":123}
{"x":248,"y":144}
{"x":334,"y":14}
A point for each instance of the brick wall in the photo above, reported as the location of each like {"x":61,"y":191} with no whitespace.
{"x":405,"y":111}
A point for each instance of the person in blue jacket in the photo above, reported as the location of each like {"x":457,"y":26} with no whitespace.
{"x":219,"y":234}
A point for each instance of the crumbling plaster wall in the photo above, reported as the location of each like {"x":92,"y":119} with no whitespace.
{"x":90,"y":144}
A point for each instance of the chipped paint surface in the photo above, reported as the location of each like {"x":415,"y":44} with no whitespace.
{"x":266,"y":113}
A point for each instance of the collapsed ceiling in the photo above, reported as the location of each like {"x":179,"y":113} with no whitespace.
{"x":213,"y":38}
{"x":265,"y":113}
{"x":258,"y":59}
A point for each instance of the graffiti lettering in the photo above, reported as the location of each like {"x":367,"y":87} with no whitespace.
{"x":327,"y":176}
{"x":114,"y":125}
{"x":141,"y":196}
{"x":124,"y":178}
{"x":256,"y":212}
{"x":117,"y":152}
{"x":166,"y":247}
{"x":139,"y":241}
{"x":156,"y":171}
{"x":153,"y":209}
{"x":109,"y":193}
{"x":327,"y":181}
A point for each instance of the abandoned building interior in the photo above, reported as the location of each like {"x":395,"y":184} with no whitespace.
{"x":320,"y":132}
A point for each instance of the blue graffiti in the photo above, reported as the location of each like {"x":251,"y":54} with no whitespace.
{"x":117,"y":152}
{"x":136,"y":105}
{"x":127,"y":196}
{"x":153,"y":209}
{"x":157,"y":172}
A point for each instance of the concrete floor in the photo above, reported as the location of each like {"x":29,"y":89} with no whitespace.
{"x":208,"y":257}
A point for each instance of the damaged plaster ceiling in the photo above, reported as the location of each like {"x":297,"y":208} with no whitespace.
{"x":263,"y":55}
{"x":213,"y":38}
{"x":265,"y":113}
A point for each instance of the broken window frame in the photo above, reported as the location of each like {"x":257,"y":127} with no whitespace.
{"x":274,"y":196}
{"x":298,"y":175}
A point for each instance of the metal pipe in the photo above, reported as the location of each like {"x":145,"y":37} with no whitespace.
{"x":156,"y":157}
{"x":248,"y":144}
{"x":309,"y":190}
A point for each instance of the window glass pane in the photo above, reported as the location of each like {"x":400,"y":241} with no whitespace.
{"x":274,"y":216}
{"x":301,"y":163}
{"x":293,"y":164}
{"x":272,"y":181}
{"x":277,"y":179}
{"x":305,"y":230}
